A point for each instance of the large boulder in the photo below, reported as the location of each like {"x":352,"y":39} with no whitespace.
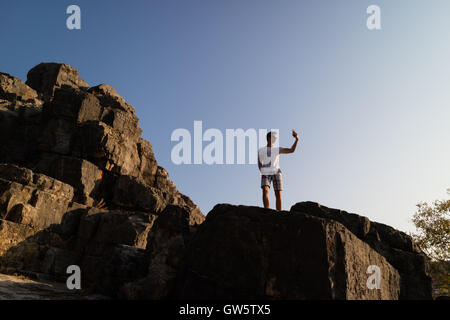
{"x":46,"y":77}
{"x":397,"y":247}
{"x":148,"y":165}
{"x":11,"y":234}
{"x":109,"y":98}
{"x":86,"y":137}
{"x":20,"y":111}
{"x":73,"y":104}
{"x":32,"y":199}
{"x":30,"y":206}
{"x":100,"y":228}
{"x":165,"y":248}
{"x":106,"y":147}
{"x":34,"y":252}
{"x":83,"y":175}
{"x":111,"y":248}
{"x":130,"y":193}
{"x":15,"y":90}
{"x":254,"y":253}
{"x":117,"y":113}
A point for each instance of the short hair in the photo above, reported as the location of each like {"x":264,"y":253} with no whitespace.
{"x":269,"y":135}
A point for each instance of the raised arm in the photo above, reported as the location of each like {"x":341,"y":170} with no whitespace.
{"x":294,"y":145}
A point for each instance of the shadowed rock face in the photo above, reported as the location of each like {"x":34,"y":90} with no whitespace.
{"x":13,"y":89}
{"x":32,"y":199}
{"x":310,"y":252}
{"x":46,"y":77}
{"x":79,"y":186}
{"x":88,"y":138}
{"x":397,"y":247}
{"x":66,"y":148}
{"x":249,"y":252}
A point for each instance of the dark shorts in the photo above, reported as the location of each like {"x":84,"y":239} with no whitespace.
{"x":276,"y":179}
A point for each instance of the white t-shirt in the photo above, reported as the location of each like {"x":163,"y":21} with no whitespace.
{"x":270,"y":160}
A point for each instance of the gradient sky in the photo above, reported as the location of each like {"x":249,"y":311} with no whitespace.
{"x":372,"y":107}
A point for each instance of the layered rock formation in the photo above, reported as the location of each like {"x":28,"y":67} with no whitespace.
{"x":79,"y":186}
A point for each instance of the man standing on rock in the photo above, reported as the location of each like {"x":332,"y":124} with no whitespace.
{"x":269,"y":165}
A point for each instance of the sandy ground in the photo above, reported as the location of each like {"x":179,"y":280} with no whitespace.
{"x":21,"y":288}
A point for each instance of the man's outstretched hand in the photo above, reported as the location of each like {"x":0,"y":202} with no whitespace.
{"x":294,"y":145}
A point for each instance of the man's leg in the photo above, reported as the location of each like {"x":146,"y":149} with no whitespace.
{"x":278,"y":186}
{"x":265,"y":195}
{"x":278,"y":197}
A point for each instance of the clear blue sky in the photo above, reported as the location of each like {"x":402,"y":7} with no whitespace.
{"x":372,"y":107}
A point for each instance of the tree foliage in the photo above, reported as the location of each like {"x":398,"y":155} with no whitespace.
{"x":433,"y":225}
{"x":433,"y":237}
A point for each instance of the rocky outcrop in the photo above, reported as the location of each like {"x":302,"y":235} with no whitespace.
{"x":397,"y":247}
{"x":165,"y":248}
{"x":88,"y":138}
{"x":32,"y":199}
{"x":248,"y":252}
{"x":46,"y":77}
{"x":15,"y":90}
{"x":79,"y":186}
{"x":242,"y":252}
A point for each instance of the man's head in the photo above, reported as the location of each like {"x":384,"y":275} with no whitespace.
{"x":272,"y":136}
